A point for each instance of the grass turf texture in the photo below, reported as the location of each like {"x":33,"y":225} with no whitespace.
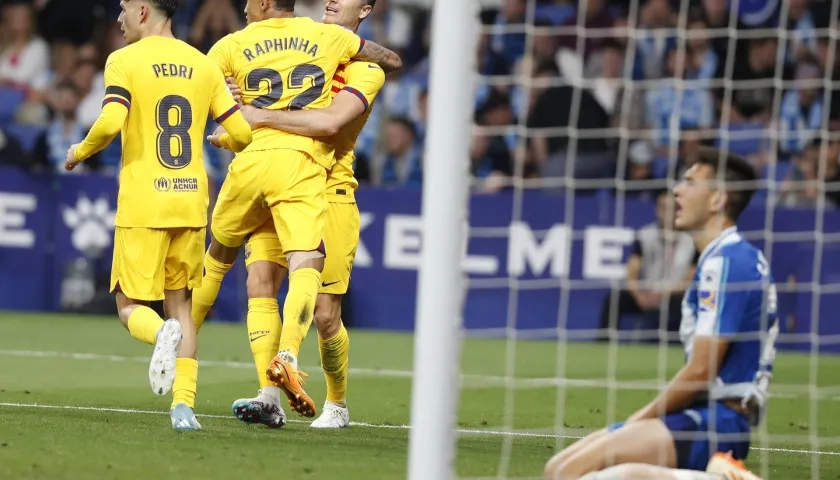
{"x":62,"y":360}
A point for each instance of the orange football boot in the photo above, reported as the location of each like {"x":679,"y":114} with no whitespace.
{"x":286,"y":376}
{"x":728,"y":468}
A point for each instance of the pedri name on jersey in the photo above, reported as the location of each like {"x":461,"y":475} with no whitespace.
{"x":281,"y":44}
{"x":172,"y":70}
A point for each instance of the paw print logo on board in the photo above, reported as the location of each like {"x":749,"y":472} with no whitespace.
{"x":92,"y":223}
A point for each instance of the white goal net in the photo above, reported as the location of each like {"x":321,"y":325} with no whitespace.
{"x":586,"y":114}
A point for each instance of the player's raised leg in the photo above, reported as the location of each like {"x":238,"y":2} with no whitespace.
{"x":263,"y":259}
{"x":145,"y":325}
{"x":218,"y":261}
{"x":236,"y":214}
{"x":138,"y":279}
{"x":299,"y":215}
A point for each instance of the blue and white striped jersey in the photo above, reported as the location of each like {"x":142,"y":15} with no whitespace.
{"x":733,"y":297}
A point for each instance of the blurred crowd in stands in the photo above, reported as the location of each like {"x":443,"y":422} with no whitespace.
{"x":614,"y":94}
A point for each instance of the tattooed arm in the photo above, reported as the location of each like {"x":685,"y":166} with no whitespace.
{"x":375,"y":53}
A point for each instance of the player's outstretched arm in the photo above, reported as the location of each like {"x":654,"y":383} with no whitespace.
{"x":107,"y":126}
{"x":115,"y":109}
{"x":317,"y":122}
{"x":375,"y":53}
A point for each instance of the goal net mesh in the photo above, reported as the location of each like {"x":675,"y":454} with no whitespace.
{"x":586,"y":112}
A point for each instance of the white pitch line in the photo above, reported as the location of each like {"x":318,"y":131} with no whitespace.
{"x":202,"y":363}
{"x":468,"y":431}
{"x":474,"y":380}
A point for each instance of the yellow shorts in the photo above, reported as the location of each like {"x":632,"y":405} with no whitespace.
{"x":148,"y":261}
{"x":341,"y":237}
{"x":286,"y":186}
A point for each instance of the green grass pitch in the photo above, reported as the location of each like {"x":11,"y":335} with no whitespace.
{"x":75,"y":404}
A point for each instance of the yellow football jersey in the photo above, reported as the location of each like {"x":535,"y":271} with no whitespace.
{"x":169,"y":88}
{"x":286,"y":63}
{"x":364,"y":80}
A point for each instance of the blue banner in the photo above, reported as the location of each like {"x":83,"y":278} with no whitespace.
{"x":533,"y":264}
{"x":27,"y":221}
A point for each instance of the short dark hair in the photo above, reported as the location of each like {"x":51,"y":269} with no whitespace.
{"x":372,"y":3}
{"x":406,"y":123}
{"x":738,"y":171}
{"x":659,"y":192}
{"x":168,"y":7}
{"x":612,"y":44}
{"x":284,"y":5}
{"x":496,"y":99}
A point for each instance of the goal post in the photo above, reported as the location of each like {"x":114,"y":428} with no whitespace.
{"x":584,"y":123}
{"x":441,"y":280}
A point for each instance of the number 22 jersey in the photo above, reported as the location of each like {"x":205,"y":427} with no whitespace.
{"x":286,"y":63}
{"x":169,"y":88}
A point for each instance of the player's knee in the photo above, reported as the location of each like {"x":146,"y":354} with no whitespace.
{"x":221,"y":252}
{"x":125,"y":306}
{"x":328,"y":315}
{"x":550,"y":470}
{"x":261,"y":282}
{"x":311,"y":259}
{"x":124,"y":313}
{"x":571,"y":467}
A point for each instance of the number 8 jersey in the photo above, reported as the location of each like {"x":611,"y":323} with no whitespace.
{"x":168,"y":88}
{"x":286,"y":63}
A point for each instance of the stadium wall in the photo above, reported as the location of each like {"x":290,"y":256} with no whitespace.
{"x":531,"y":263}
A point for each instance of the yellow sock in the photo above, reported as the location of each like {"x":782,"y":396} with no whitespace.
{"x":264,"y":327}
{"x":299,"y":308}
{"x":186,"y":379}
{"x":143,"y":324}
{"x":335,"y":360}
{"x":204,"y":296}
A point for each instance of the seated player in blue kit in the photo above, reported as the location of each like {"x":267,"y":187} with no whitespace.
{"x":728,"y":330}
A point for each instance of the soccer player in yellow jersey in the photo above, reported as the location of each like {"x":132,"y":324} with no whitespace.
{"x":159,"y":92}
{"x":354,"y":89}
{"x":282,"y":63}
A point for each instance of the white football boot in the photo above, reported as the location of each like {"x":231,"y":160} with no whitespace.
{"x":263,"y":409}
{"x":162,"y":366}
{"x":183,"y":418}
{"x":332,"y":416}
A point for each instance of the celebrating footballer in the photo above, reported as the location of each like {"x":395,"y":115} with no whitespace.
{"x":159,"y":93}
{"x":277,"y":192}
